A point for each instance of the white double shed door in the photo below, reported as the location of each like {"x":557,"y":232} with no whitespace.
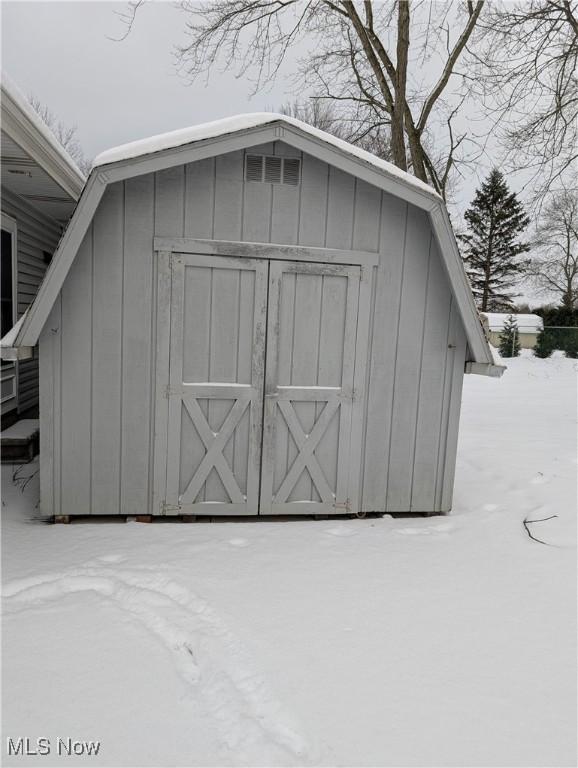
{"x":262,"y":417}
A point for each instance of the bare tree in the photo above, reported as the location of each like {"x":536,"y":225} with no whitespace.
{"x":320,"y":114}
{"x":527,"y":53}
{"x":65,"y":135}
{"x":555,"y":270}
{"x":392,"y":66}
{"x":325,"y":116}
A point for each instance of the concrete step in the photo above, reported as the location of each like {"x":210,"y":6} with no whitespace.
{"x":19,"y":443}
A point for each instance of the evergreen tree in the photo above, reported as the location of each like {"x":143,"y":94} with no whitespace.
{"x":571,"y":346}
{"x":491,"y":251}
{"x":509,"y":341}
{"x":544,"y":344}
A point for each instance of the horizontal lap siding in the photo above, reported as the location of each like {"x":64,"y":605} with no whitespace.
{"x":36,"y":234}
{"x":109,"y":316}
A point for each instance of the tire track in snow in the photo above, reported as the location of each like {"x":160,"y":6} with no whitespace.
{"x":208,"y":656}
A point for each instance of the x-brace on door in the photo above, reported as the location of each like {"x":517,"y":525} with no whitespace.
{"x":309,"y":388}
{"x":216,"y":374}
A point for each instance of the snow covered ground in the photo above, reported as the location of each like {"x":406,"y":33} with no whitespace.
{"x":396,"y":642}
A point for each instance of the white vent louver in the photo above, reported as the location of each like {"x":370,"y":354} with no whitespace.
{"x":291,"y":171}
{"x":273,"y":170}
{"x":254,"y":168}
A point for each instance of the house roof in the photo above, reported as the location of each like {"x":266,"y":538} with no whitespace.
{"x":34,"y":164}
{"x":231,"y":134}
{"x":526,"y":323}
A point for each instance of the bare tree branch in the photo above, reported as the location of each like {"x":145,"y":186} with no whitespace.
{"x":64,"y":134}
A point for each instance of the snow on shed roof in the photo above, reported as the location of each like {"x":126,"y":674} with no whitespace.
{"x":241,"y":122}
{"x":234,"y":133}
{"x":526,"y":323}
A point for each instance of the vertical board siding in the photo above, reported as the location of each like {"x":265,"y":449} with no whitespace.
{"x":408,"y":361}
{"x":457,"y":345}
{"x":76,"y":383}
{"x":49,"y":360}
{"x":340,"y":209}
{"x":385,"y":325}
{"x":200,"y":198}
{"x":414,"y":391}
{"x":367,"y":217}
{"x":228,"y":213}
{"x":107,"y":351}
{"x":106,"y":378}
{"x":328,"y":208}
{"x":136,"y":344}
{"x":257,"y":204}
{"x":170,"y":202}
{"x":285,"y":215}
{"x":431,"y":385}
{"x":46,"y":413}
{"x":313,"y":202}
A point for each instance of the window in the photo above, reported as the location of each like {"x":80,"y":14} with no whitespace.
{"x":7,"y":274}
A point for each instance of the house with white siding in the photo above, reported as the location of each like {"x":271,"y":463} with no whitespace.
{"x":40,"y":185}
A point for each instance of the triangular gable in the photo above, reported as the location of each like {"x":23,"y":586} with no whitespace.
{"x":231,"y":134}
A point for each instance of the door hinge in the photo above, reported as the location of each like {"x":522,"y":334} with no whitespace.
{"x":169,"y":508}
{"x":346,"y":505}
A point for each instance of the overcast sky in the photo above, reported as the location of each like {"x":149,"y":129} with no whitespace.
{"x":115,"y":92}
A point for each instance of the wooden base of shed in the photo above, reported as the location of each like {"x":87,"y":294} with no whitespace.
{"x":162,"y":519}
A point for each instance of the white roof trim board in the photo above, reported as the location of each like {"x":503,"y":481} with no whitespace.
{"x":228,"y":135}
{"x":24,"y":126}
{"x":8,"y":348}
{"x":230,"y":125}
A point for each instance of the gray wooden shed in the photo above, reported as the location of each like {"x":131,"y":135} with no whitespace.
{"x":252,"y":316}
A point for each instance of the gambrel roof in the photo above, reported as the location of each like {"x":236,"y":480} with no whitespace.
{"x":237,"y":133}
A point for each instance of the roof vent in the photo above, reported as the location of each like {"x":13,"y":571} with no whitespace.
{"x":271,"y":169}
